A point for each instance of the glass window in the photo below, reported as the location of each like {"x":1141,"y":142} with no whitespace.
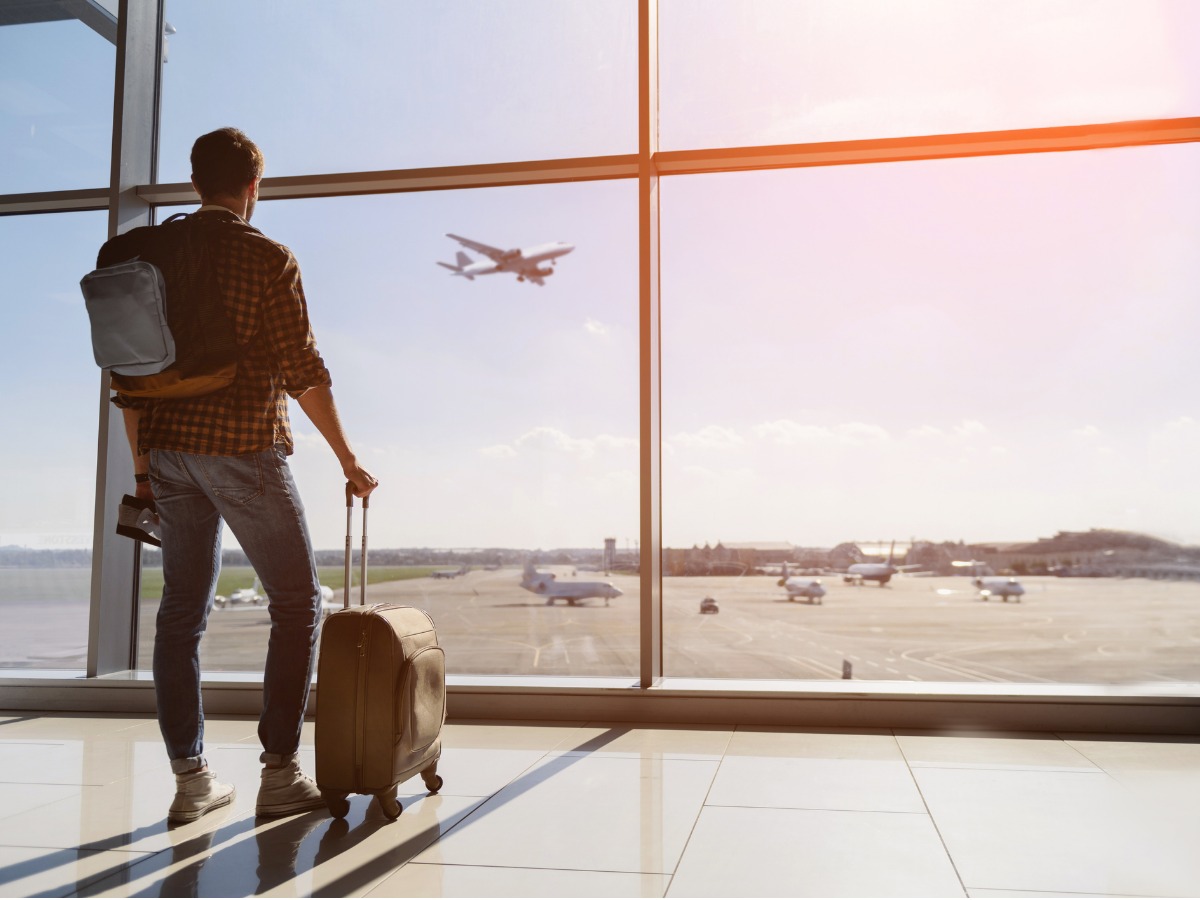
{"x":500,"y":417}
{"x":990,"y":363}
{"x":792,"y":71}
{"x":56,"y":97}
{"x":326,"y":87}
{"x":47,"y":498}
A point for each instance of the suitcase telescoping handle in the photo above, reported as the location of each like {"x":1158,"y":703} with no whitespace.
{"x":362,"y":584}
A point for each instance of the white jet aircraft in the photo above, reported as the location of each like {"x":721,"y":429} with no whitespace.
{"x":989,"y":585}
{"x":546,"y":584}
{"x":999,"y":587}
{"x":524,"y":263}
{"x":809,"y":588}
{"x":881,"y":572}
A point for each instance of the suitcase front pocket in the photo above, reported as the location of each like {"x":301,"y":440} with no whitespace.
{"x":423,"y":699}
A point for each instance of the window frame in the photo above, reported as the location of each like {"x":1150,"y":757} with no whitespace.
{"x":133,"y":198}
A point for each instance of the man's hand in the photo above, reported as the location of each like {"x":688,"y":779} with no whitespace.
{"x":318,"y":405}
{"x":143,"y":491}
{"x":364,"y":482}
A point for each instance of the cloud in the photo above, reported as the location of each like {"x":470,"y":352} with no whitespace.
{"x":969,"y":428}
{"x":964,"y":430}
{"x":713,"y":437}
{"x":785,"y":431}
{"x":498,"y":451}
{"x":546,"y":438}
{"x":597,"y":328}
{"x":1090,"y":432}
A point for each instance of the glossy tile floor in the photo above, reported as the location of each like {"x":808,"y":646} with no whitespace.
{"x":558,"y":810}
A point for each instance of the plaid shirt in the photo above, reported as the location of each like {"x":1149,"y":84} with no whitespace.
{"x":260,"y":283}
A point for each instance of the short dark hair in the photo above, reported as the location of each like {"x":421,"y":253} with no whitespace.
{"x":224,"y":162}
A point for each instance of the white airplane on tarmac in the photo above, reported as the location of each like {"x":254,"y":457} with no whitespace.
{"x":991,"y":586}
{"x":547,"y":585}
{"x":525,"y":263}
{"x":881,"y":572}
{"x":999,"y":587}
{"x":809,"y":588}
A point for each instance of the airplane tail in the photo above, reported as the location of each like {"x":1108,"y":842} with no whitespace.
{"x":461,"y":261}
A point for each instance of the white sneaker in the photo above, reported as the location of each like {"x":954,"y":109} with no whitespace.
{"x":197,"y":793}
{"x":286,"y":790}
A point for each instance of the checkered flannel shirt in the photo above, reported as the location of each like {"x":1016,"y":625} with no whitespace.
{"x":260,"y":282}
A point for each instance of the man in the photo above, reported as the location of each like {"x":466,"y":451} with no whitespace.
{"x":222,"y":457}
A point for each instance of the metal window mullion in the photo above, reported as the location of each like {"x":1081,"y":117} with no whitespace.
{"x":649,"y":352}
{"x":347,"y":184}
{"x":112,"y":645}
{"x":1056,"y":139}
{"x":82,"y":200}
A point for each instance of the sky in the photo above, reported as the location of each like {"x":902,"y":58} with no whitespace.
{"x":985,"y":349}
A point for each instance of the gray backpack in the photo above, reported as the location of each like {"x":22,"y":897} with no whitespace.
{"x":158,"y":320}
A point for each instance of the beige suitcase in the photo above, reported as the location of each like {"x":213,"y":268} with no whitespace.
{"x":381,"y":697}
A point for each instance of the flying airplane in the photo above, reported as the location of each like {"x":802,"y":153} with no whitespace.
{"x":546,"y":584}
{"x":810,"y":588}
{"x":999,"y":587}
{"x":524,"y":263}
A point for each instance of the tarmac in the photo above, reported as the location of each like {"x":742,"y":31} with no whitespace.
{"x":1071,"y":630}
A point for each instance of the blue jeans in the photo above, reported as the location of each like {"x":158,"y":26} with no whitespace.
{"x":255,"y":494}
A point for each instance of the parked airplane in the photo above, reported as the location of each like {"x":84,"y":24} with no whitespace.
{"x":809,"y":588}
{"x":547,"y":585}
{"x":251,"y":596}
{"x":451,"y":573}
{"x":999,"y":587}
{"x":524,"y":263}
{"x":881,"y":572}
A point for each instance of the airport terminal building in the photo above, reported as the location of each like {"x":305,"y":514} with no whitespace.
{"x":789,"y":269}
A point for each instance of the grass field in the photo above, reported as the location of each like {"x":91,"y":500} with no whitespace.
{"x":235,"y":577}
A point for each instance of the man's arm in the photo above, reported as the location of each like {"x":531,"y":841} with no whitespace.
{"x":318,"y":405}
{"x":141,"y":462}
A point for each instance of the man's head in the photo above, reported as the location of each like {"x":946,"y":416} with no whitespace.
{"x":226,"y":164}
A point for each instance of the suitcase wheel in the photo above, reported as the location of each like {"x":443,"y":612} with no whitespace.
{"x":433,"y":783}
{"x":390,"y":805}
{"x":338,"y":805}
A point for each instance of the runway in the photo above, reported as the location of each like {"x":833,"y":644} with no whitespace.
{"x":1079,"y":630}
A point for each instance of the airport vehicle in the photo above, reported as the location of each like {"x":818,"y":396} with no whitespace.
{"x":451,"y":573}
{"x":525,"y":263}
{"x":809,"y":588}
{"x":999,"y":587}
{"x":708,"y":607}
{"x":547,"y":585}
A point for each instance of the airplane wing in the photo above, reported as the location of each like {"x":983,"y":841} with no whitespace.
{"x":492,"y":253}
{"x":536,"y":279}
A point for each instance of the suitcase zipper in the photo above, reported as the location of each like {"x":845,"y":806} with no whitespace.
{"x":360,"y":717}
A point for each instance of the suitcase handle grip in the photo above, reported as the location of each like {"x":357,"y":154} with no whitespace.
{"x":362,"y":585}
{"x":350,"y":496}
